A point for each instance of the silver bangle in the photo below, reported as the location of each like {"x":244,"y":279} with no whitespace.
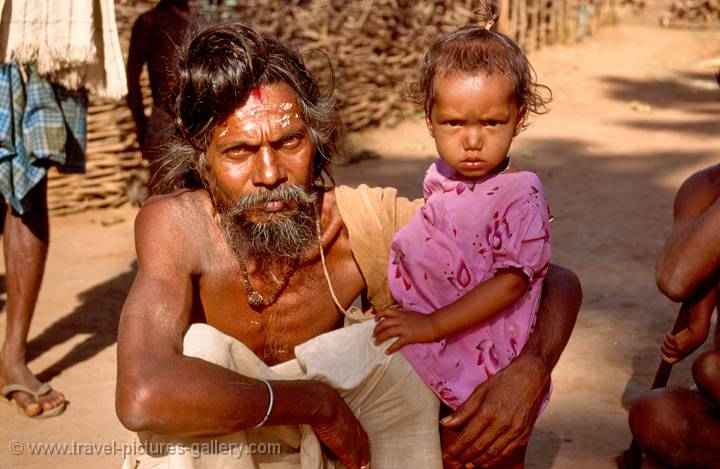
{"x":270,"y":405}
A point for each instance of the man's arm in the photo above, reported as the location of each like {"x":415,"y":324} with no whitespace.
{"x":498,"y":417}
{"x":162,"y":391}
{"x":691,"y":255}
{"x":137,"y":56}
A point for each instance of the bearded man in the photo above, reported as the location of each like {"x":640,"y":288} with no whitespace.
{"x":248,"y":265}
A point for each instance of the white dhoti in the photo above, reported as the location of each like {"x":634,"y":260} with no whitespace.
{"x":396,"y":409}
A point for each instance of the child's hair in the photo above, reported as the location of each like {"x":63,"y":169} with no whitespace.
{"x":477,"y":49}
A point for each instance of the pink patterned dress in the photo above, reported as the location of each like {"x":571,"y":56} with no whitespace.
{"x":467,"y":230}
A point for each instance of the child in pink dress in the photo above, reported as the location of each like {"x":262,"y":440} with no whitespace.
{"x":467,"y":271}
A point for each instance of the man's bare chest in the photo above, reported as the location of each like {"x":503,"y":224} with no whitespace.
{"x":303,"y":309}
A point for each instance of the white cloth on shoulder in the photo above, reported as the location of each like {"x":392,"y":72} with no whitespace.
{"x":396,"y":409}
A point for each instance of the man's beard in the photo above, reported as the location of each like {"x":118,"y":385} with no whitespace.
{"x":282,"y":237}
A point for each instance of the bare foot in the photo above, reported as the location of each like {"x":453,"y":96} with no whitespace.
{"x":19,"y":373}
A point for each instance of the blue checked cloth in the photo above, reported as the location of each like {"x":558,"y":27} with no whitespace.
{"x":41,"y":125}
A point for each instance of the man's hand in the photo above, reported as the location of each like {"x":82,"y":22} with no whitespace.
{"x":408,"y":326}
{"x":340,"y":431}
{"x":498,"y":417}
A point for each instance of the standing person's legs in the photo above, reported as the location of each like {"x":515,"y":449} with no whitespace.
{"x":25,"y":246}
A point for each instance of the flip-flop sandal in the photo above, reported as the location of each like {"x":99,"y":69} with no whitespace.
{"x":44,"y":389}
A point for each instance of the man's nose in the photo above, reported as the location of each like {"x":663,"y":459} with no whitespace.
{"x":269,"y":170}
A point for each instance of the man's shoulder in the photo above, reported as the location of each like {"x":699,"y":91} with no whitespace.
{"x":184,"y":199}
{"x":387,"y":197}
{"x":366,"y":189}
{"x":184,"y":208}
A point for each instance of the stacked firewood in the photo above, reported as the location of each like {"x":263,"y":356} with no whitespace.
{"x":692,"y":13}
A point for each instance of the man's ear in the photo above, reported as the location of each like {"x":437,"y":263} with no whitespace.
{"x":522,"y":113}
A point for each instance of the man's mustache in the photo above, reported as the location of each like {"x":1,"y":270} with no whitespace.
{"x":290,"y":194}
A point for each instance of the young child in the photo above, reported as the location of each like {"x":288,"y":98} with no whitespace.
{"x":467,"y":271}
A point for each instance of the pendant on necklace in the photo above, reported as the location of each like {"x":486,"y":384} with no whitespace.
{"x":255,"y":299}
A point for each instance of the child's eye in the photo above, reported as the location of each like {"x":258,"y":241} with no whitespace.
{"x":491,"y":123}
{"x":453,"y":123}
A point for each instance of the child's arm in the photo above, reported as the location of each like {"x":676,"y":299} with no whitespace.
{"x":478,"y":305}
{"x":680,"y":345}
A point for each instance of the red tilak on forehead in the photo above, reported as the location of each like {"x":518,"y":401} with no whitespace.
{"x":256,"y":93}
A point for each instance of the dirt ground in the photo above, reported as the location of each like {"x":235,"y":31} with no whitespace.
{"x":634,"y":114}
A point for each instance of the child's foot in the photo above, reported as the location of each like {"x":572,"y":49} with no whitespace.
{"x":18,"y":373}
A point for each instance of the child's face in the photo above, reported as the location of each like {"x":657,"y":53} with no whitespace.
{"x":473,"y":121}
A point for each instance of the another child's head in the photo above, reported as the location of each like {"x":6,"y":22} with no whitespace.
{"x":477,"y":88}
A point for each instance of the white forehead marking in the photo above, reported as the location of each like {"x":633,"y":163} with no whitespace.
{"x":249,"y":126}
{"x":257,"y":114}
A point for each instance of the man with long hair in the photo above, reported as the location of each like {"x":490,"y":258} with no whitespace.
{"x":248,"y":265}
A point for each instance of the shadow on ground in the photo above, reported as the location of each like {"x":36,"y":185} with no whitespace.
{"x":405,"y":174}
{"x":97,"y":316}
{"x":550,"y":444}
{"x":692,"y":92}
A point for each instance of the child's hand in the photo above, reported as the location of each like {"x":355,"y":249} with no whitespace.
{"x":408,"y":326}
{"x":680,"y":345}
{"x":686,"y":341}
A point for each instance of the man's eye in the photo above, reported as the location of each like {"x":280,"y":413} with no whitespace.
{"x":491,"y":123}
{"x":287,"y":143}
{"x":291,"y":141}
{"x":238,"y":153}
{"x":453,"y":123}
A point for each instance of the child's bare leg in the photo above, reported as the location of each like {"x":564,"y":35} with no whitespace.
{"x":706,"y":372}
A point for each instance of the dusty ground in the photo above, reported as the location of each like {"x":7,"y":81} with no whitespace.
{"x":610,"y":168}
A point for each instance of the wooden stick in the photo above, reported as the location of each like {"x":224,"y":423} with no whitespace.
{"x":631,"y":458}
